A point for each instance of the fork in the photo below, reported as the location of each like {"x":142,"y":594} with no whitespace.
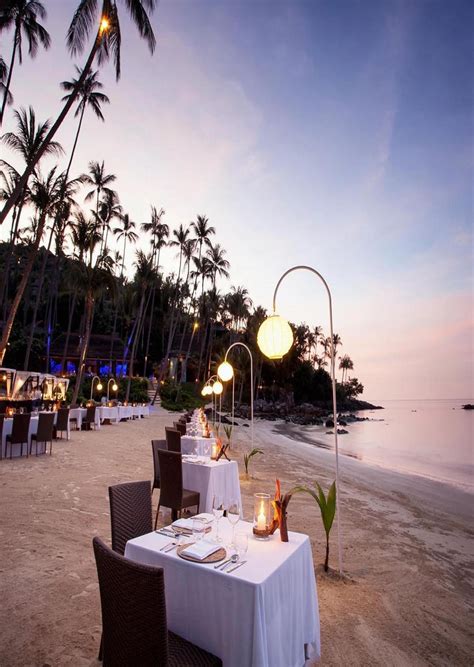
{"x":166,"y":546}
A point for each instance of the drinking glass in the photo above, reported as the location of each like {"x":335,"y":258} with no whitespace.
{"x":233,"y":514}
{"x":241,"y":544}
{"x":218,"y":511}
{"x":199,"y":529}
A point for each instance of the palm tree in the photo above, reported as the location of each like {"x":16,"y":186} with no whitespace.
{"x":110,"y":208}
{"x":107,"y":42}
{"x":238,"y":304}
{"x":126,"y":233}
{"x":216,"y":255}
{"x":88,"y":96}
{"x":44,"y":196}
{"x":99,"y":181}
{"x":203,"y":232}
{"x":345,"y":364}
{"x":23,"y":16}
{"x":181,"y":238}
{"x":3,"y":76}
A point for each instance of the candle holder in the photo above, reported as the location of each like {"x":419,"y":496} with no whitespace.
{"x":262,"y":516}
{"x":214,"y":451}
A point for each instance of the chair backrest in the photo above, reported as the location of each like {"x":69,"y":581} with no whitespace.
{"x":173,"y":439}
{"x":171,"y":479}
{"x":2,"y":418}
{"x":20,"y":428}
{"x":90,"y":414}
{"x":62,"y":419}
{"x":179,"y":426}
{"x":130,"y":512}
{"x":156,"y":445}
{"x":132,"y":597}
{"x":45,"y":427}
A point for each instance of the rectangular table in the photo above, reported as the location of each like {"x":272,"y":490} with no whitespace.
{"x":213,"y":478}
{"x":193,"y":444}
{"x":80,"y":413}
{"x":265,"y":614}
{"x":33,"y":428}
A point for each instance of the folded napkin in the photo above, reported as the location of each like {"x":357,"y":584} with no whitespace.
{"x":187,"y":524}
{"x":202,"y":549}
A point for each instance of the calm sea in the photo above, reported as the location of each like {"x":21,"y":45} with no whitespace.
{"x":433,"y":438}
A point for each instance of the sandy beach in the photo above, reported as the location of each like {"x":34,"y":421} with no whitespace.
{"x":406,"y":598}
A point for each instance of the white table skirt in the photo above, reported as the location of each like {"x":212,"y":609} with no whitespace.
{"x":261,"y":615}
{"x":215,"y":478}
{"x":106,"y":412}
{"x":33,"y":428}
{"x":80,"y":413}
{"x":189,"y":443}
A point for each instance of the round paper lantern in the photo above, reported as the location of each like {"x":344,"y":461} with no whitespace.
{"x":275,"y":337}
{"x":99,"y":386}
{"x":114,"y":387}
{"x":225,"y":371}
{"x":217,"y":387}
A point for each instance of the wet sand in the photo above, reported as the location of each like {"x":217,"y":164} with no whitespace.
{"x":406,"y":598}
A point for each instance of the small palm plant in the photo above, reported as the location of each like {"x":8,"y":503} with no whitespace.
{"x":327,"y":506}
{"x":248,"y":456}
{"x":228,"y":432}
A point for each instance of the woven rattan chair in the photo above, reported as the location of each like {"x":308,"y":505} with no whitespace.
{"x":173,"y":439}
{"x":44,"y":433}
{"x":20,"y":433}
{"x":2,"y":418}
{"x":62,"y":422}
{"x":179,"y":426}
{"x":156,"y":445}
{"x":89,"y":419}
{"x":130,"y":512}
{"x":172,"y":494}
{"x":134,"y":626}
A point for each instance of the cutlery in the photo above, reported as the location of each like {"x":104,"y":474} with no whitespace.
{"x":224,"y":564}
{"x":168,"y":533}
{"x":174,"y":546}
{"x":236,"y":567}
{"x":166,"y":546}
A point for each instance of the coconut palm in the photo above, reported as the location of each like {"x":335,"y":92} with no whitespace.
{"x":216,"y":255}
{"x":345,"y":364}
{"x":22,"y":15}
{"x":238,"y":304}
{"x":126,"y":233}
{"x":90,"y":17}
{"x":44,"y":196}
{"x":203,"y":232}
{"x":4,"y":93}
{"x":89,"y":96}
{"x":180,"y":240}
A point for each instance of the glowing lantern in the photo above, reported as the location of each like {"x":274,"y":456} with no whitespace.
{"x":99,"y":386}
{"x":114,"y":387}
{"x":225,"y":371}
{"x":217,"y":387}
{"x":275,"y":337}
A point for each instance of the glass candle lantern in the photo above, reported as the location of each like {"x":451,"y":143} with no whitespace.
{"x":214,"y":451}
{"x":262,"y":516}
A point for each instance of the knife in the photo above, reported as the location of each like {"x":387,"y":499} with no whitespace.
{"x":232,"y":569}
{"x":216,"y":567}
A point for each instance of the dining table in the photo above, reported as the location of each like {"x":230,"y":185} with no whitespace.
{"x":79,"y":415}
{"x":194,"y":444}
{"x":212,"y":479}
{"x":262,"y":614}
{"x":33,"y":428}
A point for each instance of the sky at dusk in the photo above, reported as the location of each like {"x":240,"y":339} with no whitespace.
{"x":334,"y":134}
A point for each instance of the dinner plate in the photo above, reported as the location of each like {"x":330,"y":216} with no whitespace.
{"x":212,"y":558}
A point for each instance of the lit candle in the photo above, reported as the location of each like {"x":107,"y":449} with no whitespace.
{"x":261,"y":519}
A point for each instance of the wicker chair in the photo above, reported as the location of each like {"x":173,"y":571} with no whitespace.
{"x":172,"y":494}
{"x":62,"y":422}
{"x":173,"y":439}
{"x":20,"y":434}
{"x":2,"y":418}
{"x":44,"y":433}
{"x":179,"y":426}
{"x":156,"y":445}
{"x":89,"y":419}
{"x":130,"y":512}
{"x":134,"y":626}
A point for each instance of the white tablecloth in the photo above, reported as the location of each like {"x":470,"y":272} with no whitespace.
{"x":7,"y":429}
{"x":80,"y":413}
{"x":190,"y":442}
{"x":108,"y":413}
{"x":261,"y":615}
{"x":214,"y":478}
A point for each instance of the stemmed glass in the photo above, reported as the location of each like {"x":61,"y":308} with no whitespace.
{"x":233,"y":514}
{"x":241,"y":544}
{"x":218,"y":511}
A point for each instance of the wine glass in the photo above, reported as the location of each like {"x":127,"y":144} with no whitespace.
{"x":218,"y":511}
{"x":241,"y":544}
{"x":233,"y":514}
{"x":199,"y":529}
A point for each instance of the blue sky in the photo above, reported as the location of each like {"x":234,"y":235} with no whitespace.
{"x":335,"y":134}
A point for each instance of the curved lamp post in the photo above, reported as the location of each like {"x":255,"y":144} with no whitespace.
{"x":114,"y":387}
{"x":215,"y":389}
{"x":275,"y":338}
{"x":99,"y":385}
{"x":226,"y":372}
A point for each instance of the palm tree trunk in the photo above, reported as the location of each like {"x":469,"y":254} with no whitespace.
{"x":10,"y":71}
{"x":14,"y":234}
{"x":68,"y":334}
{"x":84,"y":345}
{"x":21,"y":288}
{"x":147,"y":348}
{"x":37,"y":302}
{"x":135,"y":341}
{"x":13,"y":198}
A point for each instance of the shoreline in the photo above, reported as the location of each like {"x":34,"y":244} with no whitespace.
{"x":295,"y":433}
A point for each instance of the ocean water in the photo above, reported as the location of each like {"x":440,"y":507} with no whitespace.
{"x":433,"y":438}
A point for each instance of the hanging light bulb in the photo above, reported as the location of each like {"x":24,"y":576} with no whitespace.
{"x":217,"y":388}
{"x":114,"y":386}
{"x":225,"y":371}
{"x":99,"y":386}
{"x":275,"y":337}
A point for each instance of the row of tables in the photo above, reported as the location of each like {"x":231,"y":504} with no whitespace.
{"x":265,"y":614}
{"x":102,"y":413}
